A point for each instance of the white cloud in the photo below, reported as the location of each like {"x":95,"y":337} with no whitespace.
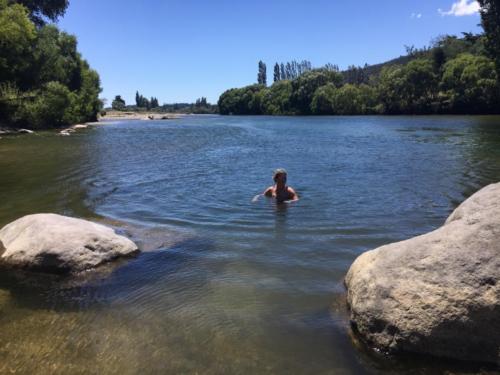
{"x":416,"y":15}
{"x":461,"y":8}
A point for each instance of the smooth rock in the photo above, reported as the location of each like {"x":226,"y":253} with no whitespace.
{"x":55,"y":243}
{"x":25,"y":131}
{"x":438,"y":293}
{"x":80,"y":126}
{"x":64,"y":133}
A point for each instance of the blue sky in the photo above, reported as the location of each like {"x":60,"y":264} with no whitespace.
{"x":179,"y":50}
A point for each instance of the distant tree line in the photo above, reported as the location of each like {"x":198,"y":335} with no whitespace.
{"x":200,"y":106}
{"x":44,"y":81}
{"x":142,"y":102}
{"x":290,"y":70}
{"x":452,"y":75}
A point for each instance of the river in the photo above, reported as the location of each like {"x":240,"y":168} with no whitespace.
{"x":227,"y":285}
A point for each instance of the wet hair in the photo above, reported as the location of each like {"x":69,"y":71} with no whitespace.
{"x":277,"y":172}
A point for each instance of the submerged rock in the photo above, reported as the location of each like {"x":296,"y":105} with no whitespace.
{"x":55,"y":243}
{"x":438,"y":293}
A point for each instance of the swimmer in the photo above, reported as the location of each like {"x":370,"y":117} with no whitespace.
{"x":280,"y":191}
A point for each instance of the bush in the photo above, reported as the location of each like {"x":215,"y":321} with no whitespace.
{"x":51,"y":108}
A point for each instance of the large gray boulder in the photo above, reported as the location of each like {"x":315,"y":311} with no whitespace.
{"x":55,"y":243}
{"x":438,"y":293}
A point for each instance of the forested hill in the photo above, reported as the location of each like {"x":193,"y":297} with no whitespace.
{"x":455,"y":75}
{"x":44,"y":81}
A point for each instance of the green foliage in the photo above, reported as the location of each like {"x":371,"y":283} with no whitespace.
{"x":242,"y":101}
{"x":142,"y":102}
{"x":408,"y":89}
{"x":276,"y":99}
{"x":39,"y":10}
{"x":291,"y":69}
{"x":346,"y":100}
{"x":55,"y":59}
{"x":323,"y":100}
{"x":276,"y":76}
{"x":118,"y":103}
{"x":51,"y":107}
{"x":201,"y":106}
{"x":355,"y":75}
{"x":470,"y":84}
{"x":453,"y":75}
{"x":17,"y":34}
{"x":154,"y":102}
{"x":490,"y":19}
{"x":41,"y":69}
{"x":86,"y":103}
{"x":262,"y":75}
{"x":304,"y":87}
{"x":354,"y":100}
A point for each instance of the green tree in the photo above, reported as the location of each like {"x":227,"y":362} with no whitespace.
{"x":118,"y":103}
{"x":50,"y":108}
{"x":349,"y":100}
{"x":490,"y":20}
{"x":323,"y":100}
{"x":17,"y":35}
{"x":470,"y":85}
{"x":276,"y":72}
{"x":85,"y":102}
{"x":276,"y":100}
{"x":56,"y":59}
{"x":305,"y":86}
{"x":262,"y":74}
{"x":408,"y":89}
{"x":241,"y":101}
{"x":438,"y":58}
{"x":41,"y":67}
{"x":40,"y":10}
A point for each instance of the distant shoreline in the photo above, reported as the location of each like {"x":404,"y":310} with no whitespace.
{"x":132,"y":115}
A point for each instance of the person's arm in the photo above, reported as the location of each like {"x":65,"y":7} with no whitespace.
{"x":267,"y":193}
{"x":294,"y":196}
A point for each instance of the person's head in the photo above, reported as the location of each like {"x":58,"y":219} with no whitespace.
{"x":279,"y":176}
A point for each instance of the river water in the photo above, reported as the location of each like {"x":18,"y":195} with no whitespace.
{"x":227,"y":285}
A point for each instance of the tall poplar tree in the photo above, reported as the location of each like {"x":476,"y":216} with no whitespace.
{"x":283,"y":73}
{"x":276,"y":72}
{"x":262,"y":74}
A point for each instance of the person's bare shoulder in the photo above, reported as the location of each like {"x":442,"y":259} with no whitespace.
{"x":269,"y":192}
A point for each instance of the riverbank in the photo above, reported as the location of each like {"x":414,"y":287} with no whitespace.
{"x":119,"y":115}
{"x":111,"y":115}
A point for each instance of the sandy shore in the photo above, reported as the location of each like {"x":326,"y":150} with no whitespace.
{"x":110,"y":115}
{"x":118,"y":115}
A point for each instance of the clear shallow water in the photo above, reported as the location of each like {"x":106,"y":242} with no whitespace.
{"x":227,"y":285}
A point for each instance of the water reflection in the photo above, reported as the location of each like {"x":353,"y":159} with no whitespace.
{"x":280,"y":222}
